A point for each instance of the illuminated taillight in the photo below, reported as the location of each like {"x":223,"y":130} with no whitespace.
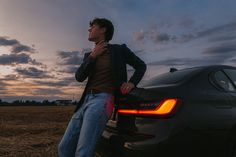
{"x":164,"y":108}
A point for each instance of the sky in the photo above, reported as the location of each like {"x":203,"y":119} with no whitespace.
{"x":42,"y":42}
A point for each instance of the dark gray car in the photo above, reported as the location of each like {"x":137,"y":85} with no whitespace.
{"x":189,"y":112}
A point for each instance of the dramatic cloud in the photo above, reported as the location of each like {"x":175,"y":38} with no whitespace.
{"x":224,"y":49}
{"x":32,"y":72}
{"x":212,"y":55}
{"x":6,"y":42}
{"x":69,"y":61}
{"x":22,"y":48}
{"x":20,"y":54}
{"x":217,"y":33}
{"x":188,"y":35}
{"x":22,"y":58}
{"x":17,"y":47}
{"x":70,"y":58}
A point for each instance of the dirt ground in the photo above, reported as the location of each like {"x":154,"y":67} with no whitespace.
{"x":32,"y":131}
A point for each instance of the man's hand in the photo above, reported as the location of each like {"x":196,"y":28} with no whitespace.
{"x":100,"y":47}
{"x":126,"y":87}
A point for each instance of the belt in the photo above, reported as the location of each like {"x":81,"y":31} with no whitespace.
{"x":93,"y":91}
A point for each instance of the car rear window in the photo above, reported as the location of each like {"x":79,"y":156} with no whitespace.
{"x":171,"y":77}
{"x":223,"y":81}
{"x":232,"y":74}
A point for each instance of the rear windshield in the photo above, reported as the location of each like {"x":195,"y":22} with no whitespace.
{"x":171,"y":77}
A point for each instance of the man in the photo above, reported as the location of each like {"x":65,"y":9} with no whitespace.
{"x":105,"y":68}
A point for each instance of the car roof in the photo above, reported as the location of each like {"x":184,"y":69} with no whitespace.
{"x":195,"y":70}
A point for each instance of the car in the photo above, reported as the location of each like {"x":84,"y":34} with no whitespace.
{"x":189,"y":112}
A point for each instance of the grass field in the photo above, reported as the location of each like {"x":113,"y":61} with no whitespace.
{"x":32,"y":131}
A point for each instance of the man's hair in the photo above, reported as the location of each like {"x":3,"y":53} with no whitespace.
{"x":104,"y":23}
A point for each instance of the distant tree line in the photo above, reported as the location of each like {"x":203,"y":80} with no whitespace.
{"x":32,"y":103}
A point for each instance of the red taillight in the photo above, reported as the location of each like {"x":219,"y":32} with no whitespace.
{"x":165,"y":108}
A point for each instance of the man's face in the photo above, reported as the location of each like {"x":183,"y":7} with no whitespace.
{"x":96,"y":33}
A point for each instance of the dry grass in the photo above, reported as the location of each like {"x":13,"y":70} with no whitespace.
{"x":33,"y":131}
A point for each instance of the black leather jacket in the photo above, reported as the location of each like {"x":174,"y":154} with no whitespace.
{"x":120,"y":56}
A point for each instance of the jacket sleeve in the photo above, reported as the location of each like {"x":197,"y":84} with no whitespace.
{"x":84,"y":69}
{"x":134,"y":61}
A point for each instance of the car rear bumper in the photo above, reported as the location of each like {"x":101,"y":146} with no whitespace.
{"x":186,"y":143}
{"x":132,"y":144}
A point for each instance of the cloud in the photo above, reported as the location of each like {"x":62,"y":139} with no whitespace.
{"x":20,"y":54}
{"x":217,"y":33}
{"x":22,"y":58}
{"x":233,"y":60}
{"x":3,"y":84}
{"x":32,"y":72}
{"x":71,"y":69}
{"x":5,"y":42}
{"x":226,"y":28}
{"x":17,"y":47}
{"x":10,"y":77}
{"x":211,"y":55}
{"x":22,"y":48}
{"x":174,"y":62}
{"x":224,"y":49}
{"x":47,"y":92}
{"x":222,"y":38}
{"x":162,"y":37}
{"x":70,"y":58}
{"x":153,"y":35}
{"x":67,"y":81}
{"x":190,"y":62}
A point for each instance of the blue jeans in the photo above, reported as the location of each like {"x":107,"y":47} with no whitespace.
{"x":86,"y":126}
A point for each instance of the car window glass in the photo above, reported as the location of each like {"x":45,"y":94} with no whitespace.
{"x":232,"y":74}
{"x":223,"y":81}
{"x":171,"y":77}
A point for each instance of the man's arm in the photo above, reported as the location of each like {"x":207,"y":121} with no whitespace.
{"x":83,"y":71}
{"x":134,"y":61}
{"x":89,"y":58}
